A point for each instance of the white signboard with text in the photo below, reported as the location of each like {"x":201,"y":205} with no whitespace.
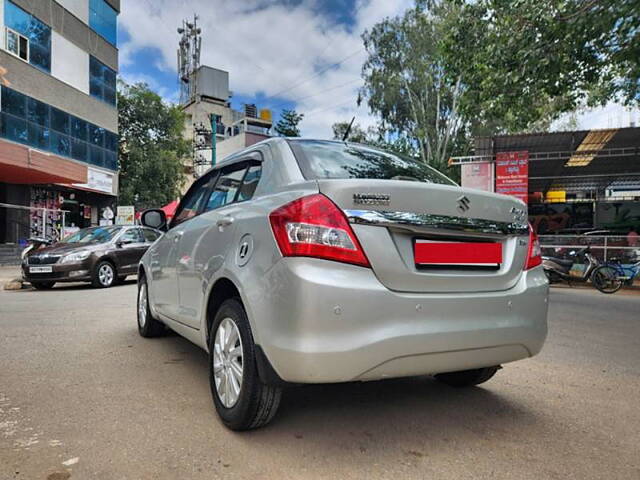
{"x":98,"y":180}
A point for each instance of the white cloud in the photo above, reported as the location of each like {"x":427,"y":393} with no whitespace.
{"x":267,"y":47}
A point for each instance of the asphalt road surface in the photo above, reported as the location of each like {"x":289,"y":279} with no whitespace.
{"x":82,"y":396}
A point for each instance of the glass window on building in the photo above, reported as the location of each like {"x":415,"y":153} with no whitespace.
{"x":27,"y":37}
{"x":102,"y":81}
{"x":25,"y":120}
{"x":103,"y":20}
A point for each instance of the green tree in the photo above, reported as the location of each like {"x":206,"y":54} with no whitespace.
{"x":523,"y":63}
{"x":408,"y":86}
{"x":356,"y":135}
{"x":287,"y":126}
{"x":151,"y":147}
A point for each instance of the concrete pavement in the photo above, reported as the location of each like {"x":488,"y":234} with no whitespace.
{"x":82,"y":396}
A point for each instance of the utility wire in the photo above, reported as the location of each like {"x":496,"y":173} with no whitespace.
{"x":336,"y":87}
{"x":348,"y":57}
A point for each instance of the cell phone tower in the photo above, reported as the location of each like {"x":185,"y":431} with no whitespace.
{"x":188,"y":58}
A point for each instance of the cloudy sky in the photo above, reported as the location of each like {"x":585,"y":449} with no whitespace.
{"x":305,"y":54}
{"x":302,"y":54}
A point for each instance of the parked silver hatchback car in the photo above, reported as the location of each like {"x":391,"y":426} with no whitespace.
{"x":309,"y":261}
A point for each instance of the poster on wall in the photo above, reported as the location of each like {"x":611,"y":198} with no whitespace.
{"x":512,"y":174}
{"x":478,"y":176}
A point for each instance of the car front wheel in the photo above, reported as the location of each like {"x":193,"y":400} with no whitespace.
{"x":104,"y":275}
{"x":242,"y":401}
{"x":147,"y":325}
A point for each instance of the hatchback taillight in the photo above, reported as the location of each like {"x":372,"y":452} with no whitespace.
{"x":314,"y":226}
{"x":534,"y":253}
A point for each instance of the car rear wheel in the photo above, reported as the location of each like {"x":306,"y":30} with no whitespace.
{"x":104,"y":275}
{"x":467,"y":378}
{"x":43,"y":285}
{"x":242,"y":400}
{"x":147,"y":325}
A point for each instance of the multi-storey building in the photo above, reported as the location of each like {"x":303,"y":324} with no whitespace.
{"x":58,"y":115}
{"x":216,"y":129}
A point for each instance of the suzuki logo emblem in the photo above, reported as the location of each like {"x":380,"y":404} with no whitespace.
{"x":464,"y":203}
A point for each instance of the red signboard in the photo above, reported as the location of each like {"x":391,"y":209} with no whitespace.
{"x":512,"y":174}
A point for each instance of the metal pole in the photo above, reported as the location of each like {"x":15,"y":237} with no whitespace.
{"x":44,"y":223}
{"x":605,"y":248}
{"x":214,"y":131}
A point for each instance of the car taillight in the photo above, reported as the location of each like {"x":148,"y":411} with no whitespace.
{"x":314,"y":226}
{"x":534,"y":253}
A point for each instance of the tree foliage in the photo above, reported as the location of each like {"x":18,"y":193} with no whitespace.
{"x":407,"y":84}
{"x":152,"y":148}
{"x":528,"y":61}
{"x":287,"y":126}
{"x":449,"y":69}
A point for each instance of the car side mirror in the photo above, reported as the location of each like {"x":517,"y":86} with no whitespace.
{"x":154,"y":218}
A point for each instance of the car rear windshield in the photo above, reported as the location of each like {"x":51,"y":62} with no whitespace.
{"x":325,"y":159}
{"x":92,"y":235}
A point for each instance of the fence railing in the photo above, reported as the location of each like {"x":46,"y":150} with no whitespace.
{"x":603,"y":247}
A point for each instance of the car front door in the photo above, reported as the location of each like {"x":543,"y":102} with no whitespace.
{"x":208,"y":239}
{"x":130,"y":247}
{"x":163,"y":254}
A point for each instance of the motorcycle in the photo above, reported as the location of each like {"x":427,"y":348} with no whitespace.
{"x":34,"y":243}
{"x":559,"y":269}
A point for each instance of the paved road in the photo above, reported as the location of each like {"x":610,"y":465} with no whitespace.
{"x":82,"y":396}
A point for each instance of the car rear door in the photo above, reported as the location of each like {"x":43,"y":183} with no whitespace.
{"x":209,"y":239}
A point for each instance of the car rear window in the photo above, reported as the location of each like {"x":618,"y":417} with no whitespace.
{"x":325,"y":159}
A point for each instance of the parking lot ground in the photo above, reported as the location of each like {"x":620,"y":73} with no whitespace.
{"x":82,"y":396}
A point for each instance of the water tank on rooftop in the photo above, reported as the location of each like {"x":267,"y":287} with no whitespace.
{"x":265,"y":114}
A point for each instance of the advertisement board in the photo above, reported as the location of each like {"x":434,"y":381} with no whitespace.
{"x":512,"y":174}
{"x":126,"y":215}
{"x":478,"y":176}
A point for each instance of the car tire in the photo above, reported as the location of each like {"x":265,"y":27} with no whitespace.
{"x":104,"y":275}
{"x":148,"y":326}
{"x":467,"y":378}
{"x":43,"y":285}
{"x":246,"y":402}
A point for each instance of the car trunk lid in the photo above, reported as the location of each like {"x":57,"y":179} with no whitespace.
{"x":432,"y":238}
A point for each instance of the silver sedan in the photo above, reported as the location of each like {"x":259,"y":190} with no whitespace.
{"x":310,"y":261}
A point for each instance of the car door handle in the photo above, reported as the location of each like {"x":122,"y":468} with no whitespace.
{"x":224,"y":221}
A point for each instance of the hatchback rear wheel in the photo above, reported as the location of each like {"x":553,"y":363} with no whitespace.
{"x":242,"y":400}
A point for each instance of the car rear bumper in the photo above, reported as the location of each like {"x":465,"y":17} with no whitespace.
{"x":323,"y":322}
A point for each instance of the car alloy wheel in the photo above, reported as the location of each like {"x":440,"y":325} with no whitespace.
{"x":142,"y":305}
{"x":228,"y":362}
{"x":106,"y":274}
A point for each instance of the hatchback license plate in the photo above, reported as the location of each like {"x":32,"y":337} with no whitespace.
{"x":480,"y":254}
{"x":40,"y":269}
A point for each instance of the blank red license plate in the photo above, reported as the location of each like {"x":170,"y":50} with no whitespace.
{"x":481,"y":254}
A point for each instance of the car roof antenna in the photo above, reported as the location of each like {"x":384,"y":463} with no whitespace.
{"x":348,"y":131}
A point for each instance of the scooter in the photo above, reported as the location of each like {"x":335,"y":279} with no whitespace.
{"x":559,"y":269}
{"x":34,"y":243}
